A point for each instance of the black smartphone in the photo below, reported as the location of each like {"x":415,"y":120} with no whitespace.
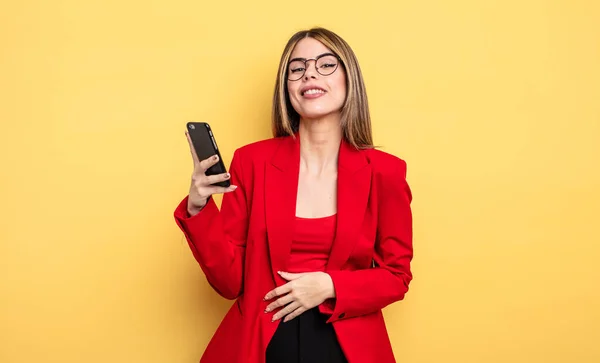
{"x":205,"y":145}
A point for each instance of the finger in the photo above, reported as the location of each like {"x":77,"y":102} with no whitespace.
{"x":212,"y":179}
{"x":287,"y":310}
{"x":208,"y":162}
{"x":291,"y":276}
{"x":294,"y":314}
{"x":192,"y":149}
{"x":283,"y":289}
{"x":220,"y":190}
{"x":282,"y":301}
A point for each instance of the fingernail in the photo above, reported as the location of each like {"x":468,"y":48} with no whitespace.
{"x":227,"y":176}
{"x":267,"y":310}
{"x":234,"y":187}
{"x":216,"y":157}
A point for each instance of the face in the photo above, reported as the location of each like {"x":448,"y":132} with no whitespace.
{"x":315,"y":95}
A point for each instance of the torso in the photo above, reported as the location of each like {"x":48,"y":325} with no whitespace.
{"x":316,"y":197}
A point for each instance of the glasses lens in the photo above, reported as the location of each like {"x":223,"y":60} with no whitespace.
{"x":327,"y":65}
{"x":295,"y":70}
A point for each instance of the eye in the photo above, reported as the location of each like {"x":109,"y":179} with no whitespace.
{"x":327,"y":65}
{"x":297,"y":69}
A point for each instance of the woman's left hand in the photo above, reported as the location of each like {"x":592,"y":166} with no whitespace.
{"x":304,"y":291}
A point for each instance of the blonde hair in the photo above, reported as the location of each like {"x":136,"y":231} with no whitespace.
{"x":355,"y":117}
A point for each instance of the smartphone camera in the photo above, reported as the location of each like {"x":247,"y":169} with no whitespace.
{"x":192,"y":126}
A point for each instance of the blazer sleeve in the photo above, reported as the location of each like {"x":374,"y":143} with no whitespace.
{"x":361,"y":292}
{"x":218,"y":238}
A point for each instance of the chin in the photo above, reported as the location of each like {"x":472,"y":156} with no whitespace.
{"x":311,"y":117}
{"x":315,"y":114}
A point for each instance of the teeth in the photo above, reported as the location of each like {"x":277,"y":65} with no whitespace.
{"x":313,"y":91}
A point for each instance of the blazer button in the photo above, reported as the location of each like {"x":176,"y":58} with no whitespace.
{"x":341,"y":316}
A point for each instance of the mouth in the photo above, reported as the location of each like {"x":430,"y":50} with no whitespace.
{"x":310,"y":91}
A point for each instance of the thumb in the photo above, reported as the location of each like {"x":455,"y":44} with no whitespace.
{"x":290,"y":276}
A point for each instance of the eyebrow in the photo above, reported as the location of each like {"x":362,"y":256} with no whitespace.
{"x":303,"y":59}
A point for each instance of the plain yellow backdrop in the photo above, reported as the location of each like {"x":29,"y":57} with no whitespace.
{"x":493,"y":104}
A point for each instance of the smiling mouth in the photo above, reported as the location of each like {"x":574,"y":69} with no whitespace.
{"x":313,"y":91}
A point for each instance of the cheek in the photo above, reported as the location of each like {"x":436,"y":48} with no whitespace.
{"x":341,"y":90}
{"x":292,"y":89}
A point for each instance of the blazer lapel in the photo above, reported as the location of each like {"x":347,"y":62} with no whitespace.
{"x":281,"y":189}
{"x":354,"y":186}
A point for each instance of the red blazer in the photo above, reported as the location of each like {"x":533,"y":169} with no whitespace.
{"x":241,"y":247}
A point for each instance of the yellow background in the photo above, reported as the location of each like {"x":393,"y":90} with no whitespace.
{"x":493,"y":104}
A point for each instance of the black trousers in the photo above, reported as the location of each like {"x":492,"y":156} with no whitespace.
{"x":307,"y":339}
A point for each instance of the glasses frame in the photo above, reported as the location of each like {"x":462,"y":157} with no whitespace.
{"x":305,"y":61}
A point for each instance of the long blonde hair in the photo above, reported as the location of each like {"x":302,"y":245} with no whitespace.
{"x":355,"y":117}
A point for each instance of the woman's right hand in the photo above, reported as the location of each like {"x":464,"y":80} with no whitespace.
{"x":201,"y":187}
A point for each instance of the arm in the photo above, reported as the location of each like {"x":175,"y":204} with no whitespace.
{"x":218,"y":238}
{"x":366,"y":291}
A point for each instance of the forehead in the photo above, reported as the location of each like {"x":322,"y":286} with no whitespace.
{"x":309,"y":48}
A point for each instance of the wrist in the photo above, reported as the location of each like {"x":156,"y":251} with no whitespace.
{"x":329,"y":287}
{"x":192,"y":210}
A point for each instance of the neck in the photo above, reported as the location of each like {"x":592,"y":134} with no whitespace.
{"x":320,"y":144}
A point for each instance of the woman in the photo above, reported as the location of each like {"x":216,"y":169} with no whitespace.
{"x":314,"y":236}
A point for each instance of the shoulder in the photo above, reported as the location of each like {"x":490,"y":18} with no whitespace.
{"x":385,"y":164}
{"x":259,"y":151}
{"x":258,"y":147}
{"x":389,"y":175}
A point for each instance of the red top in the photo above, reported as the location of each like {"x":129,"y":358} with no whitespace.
{"x":311,"y":243}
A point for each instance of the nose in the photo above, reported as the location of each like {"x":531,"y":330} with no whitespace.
{"x":310,"y":72}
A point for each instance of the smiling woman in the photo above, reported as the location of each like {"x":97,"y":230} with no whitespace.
{"x":349,"y":99}
{"x":323,"y":91}
{"x":337,"y":216}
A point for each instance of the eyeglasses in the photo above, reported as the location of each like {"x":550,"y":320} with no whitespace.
{"x":325,"y":65}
